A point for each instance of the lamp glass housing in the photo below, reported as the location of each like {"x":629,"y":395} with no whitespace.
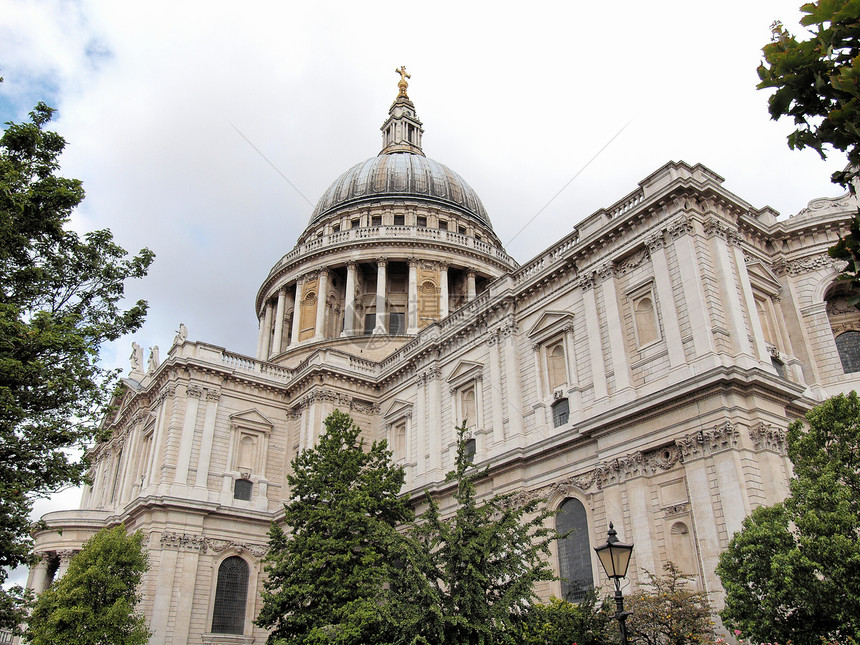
{"x":615,"y":558}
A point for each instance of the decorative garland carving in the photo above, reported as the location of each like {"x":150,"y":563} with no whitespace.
{"x":807,"y":264}
{"x":636,"y":260}
{"x":698,"y":444}
{"x":675,"y":509}
{"x":768,"y":437}
{"x":202,"y":544}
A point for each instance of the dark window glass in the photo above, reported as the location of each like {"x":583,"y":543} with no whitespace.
{"x":335,"y":228}
{"x":462,"y":230}
{"x":369,"y":323}
{"x":354,"y":223}
{"x":399,"y":220}
{"x":396,"y":323}
{"x":779,"y":366}
{"x":848,"y":346}
{"x":560,"y":412}
{"x":422,"y":221}
{"x":443,"y":225}
{"x":376,"y":220}
{"x":242,"y":489}
{"x":471,"y":449}
{"x":231,"y":595}
{"x":574,"y":551}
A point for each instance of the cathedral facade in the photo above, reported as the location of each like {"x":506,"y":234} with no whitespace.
{"x":642,"y":371}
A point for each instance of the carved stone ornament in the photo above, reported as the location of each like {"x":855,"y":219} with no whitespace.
{"x":201,"y":544}
{"x":807,"y":264}
{"x":681,"y":226}
{"x":586,"y":282}
{"x":675,"y":509}
{"x":194,"y":390}
{"x":714,"y":227}
{"x":768,"y":437}
{"x":705,"y":442}
{"x":637,"y":259}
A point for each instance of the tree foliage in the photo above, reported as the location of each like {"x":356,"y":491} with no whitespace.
{"x":560,"y":622}
{"x":94,"y":602}
{"x":327,"y":575}
{"x":670,"y":612}
{"x":793,"y":571}
{"x":817,"y":80}
{"x":469,"y":577}
{"x":59,"y":301}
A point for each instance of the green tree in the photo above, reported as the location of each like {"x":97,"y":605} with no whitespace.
{"x":327,"y":575}
{"x":561,"y":623}
{"x":59,"y":301}
{"x":817,"y":84}
{"x":817,"y":80}
{"x":467,"y":578}
{"x":793,"y":571}
{"x":94,"y":602}
{"x":670,"y":612}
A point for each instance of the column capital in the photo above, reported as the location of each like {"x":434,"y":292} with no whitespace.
{"x":381,"y":262}
{"x":351,"y":265}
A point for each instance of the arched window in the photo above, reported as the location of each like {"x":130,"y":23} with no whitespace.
{"x":557,"y":370}
{"x":848,"y":346}
{"x":470,"y":412}
{"x":231,"y":596}
{"x":574,"y":551}
{"x":646,"y":320}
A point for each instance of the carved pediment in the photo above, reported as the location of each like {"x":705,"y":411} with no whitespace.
{"x":398,"y":408}
{"x":251,"y":419}
{"x":762,"y":278}
{"x":549,"y":324}
{"x":464,"y":372}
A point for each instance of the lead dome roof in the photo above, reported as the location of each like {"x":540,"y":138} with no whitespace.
{"x":398,"y":175}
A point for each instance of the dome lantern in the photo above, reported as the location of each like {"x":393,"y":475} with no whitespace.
{"x":402,"y":130}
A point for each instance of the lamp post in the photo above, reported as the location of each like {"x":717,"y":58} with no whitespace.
{"x":615,"y":558}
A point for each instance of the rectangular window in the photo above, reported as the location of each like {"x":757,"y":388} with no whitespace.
{"x":399,"y":220}
{"x":335,"y":228}
{"x":443,"y":225}
{"x":462,"y":230}
{"x":422,"y":221}
{"x":354,"y":223}
{"x":396,"y":323}
{"x":369,"y":323}
{"x":376,"y":220}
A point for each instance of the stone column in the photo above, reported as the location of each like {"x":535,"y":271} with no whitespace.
{"x":279,"y":321}
{"x":267,"y":333}
{"x":349,"y":309}
{"x":513,"y":393}
{"x":617,"y":351}
{"x":321,"y":305}
{"x":420,"y":426}
{"x":574,"y":391}
{"x":261,"y":323}
{"x":722,"y":237}
{"x":192,"y":403}
{"x":470,"y":286}
{"x":496,"y":390}
{"x":666,"y":298}
{"x":153,"y":470}
{"x":38,"y":579}
{"x":691,"y":280}
{"x":443,"y":291}
{"x":380,"y":327}
{"x":412,"y":299}
{"x":65,"y":559}
{"x":595,"y":343}
{"x":761,"y":351}
{"x":297,"y":314}
{"x":435,"y":435}
{"x":202,"y":478}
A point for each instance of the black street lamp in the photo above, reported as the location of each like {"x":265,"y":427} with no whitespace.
{"x":615,"y":558}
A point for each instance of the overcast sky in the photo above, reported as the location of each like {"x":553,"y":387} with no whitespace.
{"x":159,"y":100}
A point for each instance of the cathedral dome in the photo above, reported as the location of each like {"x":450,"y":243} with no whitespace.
{"x":398,"y":175}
